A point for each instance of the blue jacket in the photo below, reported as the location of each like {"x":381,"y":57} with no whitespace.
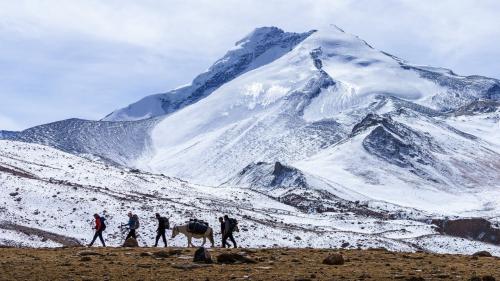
{"x":131,"y":223}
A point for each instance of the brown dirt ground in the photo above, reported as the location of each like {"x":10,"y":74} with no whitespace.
{"x":272,"y":264}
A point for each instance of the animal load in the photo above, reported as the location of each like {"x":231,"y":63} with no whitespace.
{"x":197,"y":226}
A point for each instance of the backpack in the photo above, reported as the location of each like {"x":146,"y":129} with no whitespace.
{"x":136,"y":222}
{"x":166,"y":222}
{"x":233,"y":223}
{"x":103,"y":223}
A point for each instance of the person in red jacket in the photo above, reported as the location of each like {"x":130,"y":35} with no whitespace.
{"x":99,"y":227}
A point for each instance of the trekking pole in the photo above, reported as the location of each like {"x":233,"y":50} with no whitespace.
{"x":123,"y":231}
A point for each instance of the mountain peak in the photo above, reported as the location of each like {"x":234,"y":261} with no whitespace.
{"x":259,"y":34}
{"x":266,"y":33}
{"x":260,"y":47}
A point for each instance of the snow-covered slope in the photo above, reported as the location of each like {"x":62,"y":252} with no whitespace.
{"x":258,"y":48}
{"x":48,"y":198}
{"x":423,"y":164}
{"x":481,"y":119}
{"x":118,"y":142}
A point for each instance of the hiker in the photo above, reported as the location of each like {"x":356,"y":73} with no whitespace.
{"x":99,"y":227}
{"x":229,"y":227}
{"x":163,"y":224}
{"x":133,"y":224}
{"x":222,"y":227}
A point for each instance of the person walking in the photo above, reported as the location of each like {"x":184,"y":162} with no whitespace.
{"x":163,"y":225}
{"x":99,"y":227}
{"x":229,"y":226}
{"x":133,"y":225}
{"x":222,"y":227}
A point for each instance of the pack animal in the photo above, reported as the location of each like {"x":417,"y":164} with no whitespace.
{"x":209,"y":233}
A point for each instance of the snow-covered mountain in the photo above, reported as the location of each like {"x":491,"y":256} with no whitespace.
{"x":302,"y":103}
{"x":48,"y":198}
{"x":320,"y":122}
{"x":258,"y":48}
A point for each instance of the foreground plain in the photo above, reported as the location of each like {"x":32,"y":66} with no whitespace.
{"x":270,"y":264}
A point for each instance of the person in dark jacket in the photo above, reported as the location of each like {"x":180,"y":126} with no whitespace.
{"x":228,"y":232}
{"x":222,"y":227}
{"x":99,"y":228}
{"x":163,"y":225}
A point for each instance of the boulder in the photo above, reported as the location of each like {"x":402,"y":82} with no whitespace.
{"x":131,"y":242}
{"x":334,"y":259}
{"x":166,"y":254}
{"x":233,"y":258}
{"x":202,"y":255}
{"x":482,"y":254}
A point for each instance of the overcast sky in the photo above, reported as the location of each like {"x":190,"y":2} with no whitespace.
{"x":86,"y":58}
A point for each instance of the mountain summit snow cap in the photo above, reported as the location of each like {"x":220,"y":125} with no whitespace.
{"x":262,"y":46}
{"x":267,"y":33}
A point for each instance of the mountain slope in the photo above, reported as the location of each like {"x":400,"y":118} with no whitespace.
{"x":118,"y":142}
{"x":422,"y":164}
{"x":51,"y":195}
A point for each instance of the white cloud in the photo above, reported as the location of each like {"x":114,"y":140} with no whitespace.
{"x":87,"y":57}
{"x":6,"y":123}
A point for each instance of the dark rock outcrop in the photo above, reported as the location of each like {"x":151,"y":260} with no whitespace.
{"x":473,"y":228}
{"x":477,"y":107}
{"x":396,"y":143}
{"x":268,"y":175}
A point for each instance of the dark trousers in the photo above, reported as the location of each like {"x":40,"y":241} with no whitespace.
{"x":224,"y":243}
{"x":131,"y":233}
{"x":224,"y":240}
{"x":161,"y":233}
{"x":98,"y":234}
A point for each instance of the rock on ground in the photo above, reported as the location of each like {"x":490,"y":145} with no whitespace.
{"x":334,"y":259}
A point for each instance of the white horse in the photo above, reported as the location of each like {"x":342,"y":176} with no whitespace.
{"x":184,"y":230}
